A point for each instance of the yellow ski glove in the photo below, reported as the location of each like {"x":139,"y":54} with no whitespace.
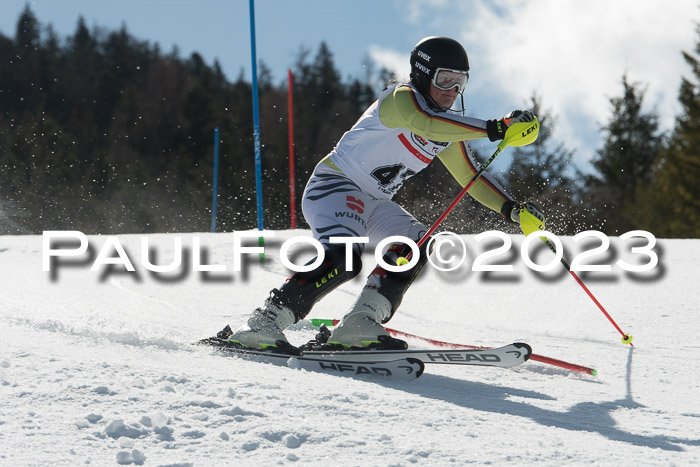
{"x":528,"y":215}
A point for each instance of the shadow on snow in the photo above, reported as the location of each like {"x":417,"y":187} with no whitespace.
{"x":594,"y":417}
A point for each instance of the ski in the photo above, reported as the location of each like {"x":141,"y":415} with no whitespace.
{"x":403,"y":365}
{"x":506,"y":356}
{"x":401,"y":368}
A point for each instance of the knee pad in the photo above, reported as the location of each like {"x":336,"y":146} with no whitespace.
{"x":393,"y":285}
{"x":303,"y":289}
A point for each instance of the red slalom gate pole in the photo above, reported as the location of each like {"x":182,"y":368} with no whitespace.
{"x":449,"y":345}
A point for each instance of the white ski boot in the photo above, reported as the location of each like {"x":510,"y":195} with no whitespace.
{"x":264,"y":328}
{"x":361,"y":328}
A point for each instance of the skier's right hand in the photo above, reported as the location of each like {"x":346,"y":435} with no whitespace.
{"x":496,"y":129}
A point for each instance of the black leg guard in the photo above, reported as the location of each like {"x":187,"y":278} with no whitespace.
{"x":393,"y":285}
{"x":303,"y":289}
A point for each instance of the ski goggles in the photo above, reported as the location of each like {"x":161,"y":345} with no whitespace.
{"x":446,"y":79}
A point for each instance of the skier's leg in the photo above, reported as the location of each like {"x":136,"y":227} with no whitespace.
{"x":293,"y":301}
{"x":384,"y":290}
{"x":334,"y":207}
{"x":303,"y":289}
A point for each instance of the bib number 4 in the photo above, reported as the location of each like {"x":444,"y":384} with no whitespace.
{"x":387,"y":174}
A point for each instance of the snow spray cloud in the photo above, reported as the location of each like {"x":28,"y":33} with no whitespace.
{"x":75,"y":244}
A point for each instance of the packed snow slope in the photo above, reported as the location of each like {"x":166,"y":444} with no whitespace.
{"x":96,"y":367}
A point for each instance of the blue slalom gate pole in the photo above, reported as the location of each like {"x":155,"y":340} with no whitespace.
{"x":256,"y":127}
{"x":215,"y":187}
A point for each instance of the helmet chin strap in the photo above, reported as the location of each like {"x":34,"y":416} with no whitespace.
{"x":431,"y":102}
{"x":440,"y":108}
{"x":461,"y":98}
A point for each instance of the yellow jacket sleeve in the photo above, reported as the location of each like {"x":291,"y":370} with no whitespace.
{"x":405,"y":108}
{"x":459,"y":160}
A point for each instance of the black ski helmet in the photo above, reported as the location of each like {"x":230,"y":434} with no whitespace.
{"x":432,"y":53}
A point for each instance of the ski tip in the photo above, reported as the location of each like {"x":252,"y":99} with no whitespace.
{"x":594,"y":372}
{"x":524,"y":347}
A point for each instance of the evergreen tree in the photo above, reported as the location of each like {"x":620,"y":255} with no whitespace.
{"x":673,"y":197}
{"x":103,"y":133}
{"x":631,"y":144}
{"x":23,"y":61}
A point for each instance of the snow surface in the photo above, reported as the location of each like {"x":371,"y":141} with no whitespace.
{"x":96,"y":367}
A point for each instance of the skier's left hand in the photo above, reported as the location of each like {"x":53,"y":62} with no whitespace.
{"x":528,"y":215}
{"x":496,"y":129}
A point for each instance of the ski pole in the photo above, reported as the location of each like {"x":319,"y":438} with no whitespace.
{"x":518,"y":134}
{"x":626,"y":338}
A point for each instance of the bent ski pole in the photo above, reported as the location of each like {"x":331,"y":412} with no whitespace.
{"x":518,"y":134}
{"x":626,"y":338}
